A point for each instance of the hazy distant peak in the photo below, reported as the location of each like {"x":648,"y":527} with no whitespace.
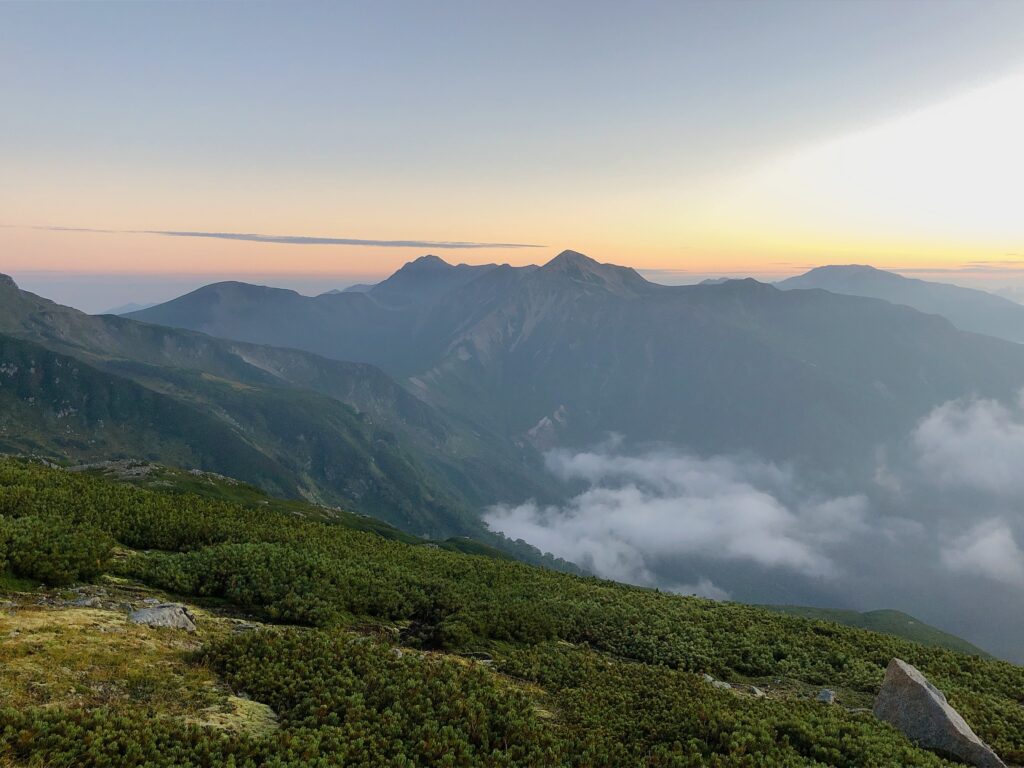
{"x":741,"y":286}
{"x":835,"y":277}
{"x":354,"y":288}
{"x":126,"y":309}
{"x":850,"y":270}
{"x":969,"y":309}
{"x":846,"y":268}
{"x":6,"y":281}
{"x":237,"y":288}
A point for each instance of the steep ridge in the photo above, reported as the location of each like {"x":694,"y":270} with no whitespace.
{"x":336,"y":432}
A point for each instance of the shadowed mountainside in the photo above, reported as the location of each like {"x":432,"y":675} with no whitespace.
{"x":291,"y":422}
{"x":565,"y":353}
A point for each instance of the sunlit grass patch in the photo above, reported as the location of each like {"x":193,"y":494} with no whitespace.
{"x":90,"y":658}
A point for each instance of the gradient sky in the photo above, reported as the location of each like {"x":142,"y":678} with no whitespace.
{"x":681,"y":138}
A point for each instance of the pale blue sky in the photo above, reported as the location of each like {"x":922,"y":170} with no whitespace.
{"x":592,"y":125}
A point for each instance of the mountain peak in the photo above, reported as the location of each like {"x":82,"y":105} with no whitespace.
{"x":583,"y":269}
{"x":573,"y":259}
{"x":6,"y":281}
{"x":429,"y":261}
{"x":832,"y":276}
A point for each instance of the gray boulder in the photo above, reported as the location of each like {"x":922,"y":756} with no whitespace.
{"x":920,"y":710}
{"x":826,"y":696}
{"x":170,"y":615}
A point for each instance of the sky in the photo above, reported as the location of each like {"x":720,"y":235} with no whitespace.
{"x":148,"y":148}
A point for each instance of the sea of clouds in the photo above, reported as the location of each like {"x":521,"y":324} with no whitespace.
{"x":935,"y":531}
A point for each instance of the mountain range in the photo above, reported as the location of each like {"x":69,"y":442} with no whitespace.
{"x":574,"y":350}
{"x":435,"y":397}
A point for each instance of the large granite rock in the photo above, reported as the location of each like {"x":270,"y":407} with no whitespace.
{"x":920,"y":710}
{"x":170,"y":615}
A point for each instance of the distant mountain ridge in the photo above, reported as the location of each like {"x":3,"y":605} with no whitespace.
{"x":804,"y":376}
{"x":967,"y":308}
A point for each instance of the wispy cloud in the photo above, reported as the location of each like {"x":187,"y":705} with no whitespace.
{"x":301,"y":239}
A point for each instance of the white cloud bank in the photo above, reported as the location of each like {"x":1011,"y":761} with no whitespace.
{"x":990,"y":550}
{"x":661,"y":505}
{"x":974,"y":444}
{"x":953,"y":506}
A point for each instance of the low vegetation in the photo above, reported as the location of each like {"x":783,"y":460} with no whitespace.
{"x":366,"y":651}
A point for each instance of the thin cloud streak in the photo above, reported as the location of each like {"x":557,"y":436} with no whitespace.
{"x":299,"y":239}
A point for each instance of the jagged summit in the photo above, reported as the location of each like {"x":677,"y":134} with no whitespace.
{"x":424,"y":280}
{"x":429,"y":261}
{"x":569,"y":258}
{"x":580,"y":268}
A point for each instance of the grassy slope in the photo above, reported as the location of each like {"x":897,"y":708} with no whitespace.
{"x":888,"y":622}
{"x":228,"y":490}
{"x":390,"y":669}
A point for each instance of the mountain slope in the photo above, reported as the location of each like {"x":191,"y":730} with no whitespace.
{"x":966,"y":308}
{"x":336,"y":432}
{"x":56,"y":405}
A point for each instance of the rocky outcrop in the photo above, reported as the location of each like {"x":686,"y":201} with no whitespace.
{"x":920,"y":710}
{"x":170,"y":615}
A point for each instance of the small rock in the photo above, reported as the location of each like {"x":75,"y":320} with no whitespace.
{"x":708,"y":678}
{"x":722,"y":684}
{"x":908,"y":701}
{"x":170,"y":615}
{"x":151,"y":601}
{"x":87,"y":602}
{"x":826,"y":696}
{"x":757,"y":692}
